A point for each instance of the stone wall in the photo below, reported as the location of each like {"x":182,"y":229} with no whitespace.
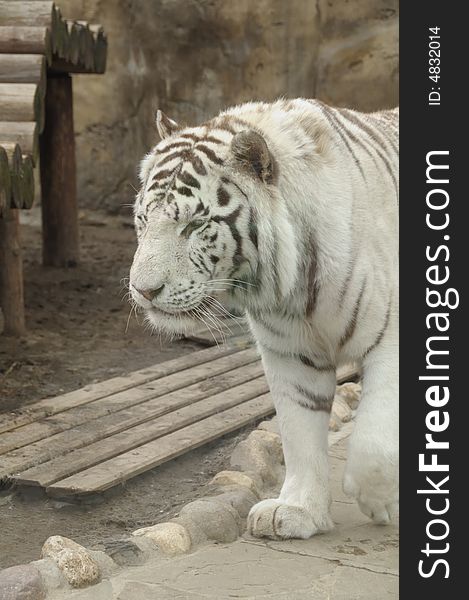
{"x":193,"y":57}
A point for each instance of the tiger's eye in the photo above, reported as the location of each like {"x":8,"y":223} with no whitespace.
{"x":192,"y":226}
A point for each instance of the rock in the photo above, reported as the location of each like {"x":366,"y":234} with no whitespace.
{"x":52,"y":576}
{"x":106,"y":565}
{"x":124,"y":551}
{"x":172,"y":538}
{"x":270,"y":425}
{"x":219,"y":521}
{"x":240,"y":498}
{"x":351,"y":393}
{"x":193,"y":528}
{"x":341,"y":409}
{"x":235,"y":478}
{"x":22,"y":582}
{"x":262,"y":453}
{"x":334,"y":422}
{"x":359,"y":47}
{"x":75,"y":562}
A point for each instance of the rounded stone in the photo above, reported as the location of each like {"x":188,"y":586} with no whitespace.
{"x":341,"y":409}
{"x":262,"y":453}
{"x":240,"y":498}
{"x":21,"y":582}
{"x":350,"y":392}
{"x":219,"y":521}
{"x":172,"y":538}
{"x":106,"y":565}
{"x":335,"y":423}
{"x":75,"y":562}
{"x":270,"y":425}
{"x":235,"y":478}
{"x":52,"y":576}
{"x":193,"y":528}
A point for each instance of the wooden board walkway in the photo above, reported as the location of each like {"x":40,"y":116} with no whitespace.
{"x":92,"y":439}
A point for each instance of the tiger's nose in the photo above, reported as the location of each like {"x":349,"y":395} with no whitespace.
{"x":151,"y":294}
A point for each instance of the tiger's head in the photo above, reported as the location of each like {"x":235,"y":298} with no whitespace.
{"x":197,"y":221}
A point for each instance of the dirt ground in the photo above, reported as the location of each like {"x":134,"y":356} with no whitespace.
{"x":77,"y":334}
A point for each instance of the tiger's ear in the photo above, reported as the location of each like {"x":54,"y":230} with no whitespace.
{"x":250,"y":151}
{"x":165,"y":125}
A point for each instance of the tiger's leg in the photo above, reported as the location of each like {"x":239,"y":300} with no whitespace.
{"x":372,"y":470}
{"x":303,"y":397}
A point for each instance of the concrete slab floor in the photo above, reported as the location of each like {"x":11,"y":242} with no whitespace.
{"x":356,"y":561}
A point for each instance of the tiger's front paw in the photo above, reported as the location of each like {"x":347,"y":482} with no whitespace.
{"x":279,"y":521}
{"x":372,"y":478}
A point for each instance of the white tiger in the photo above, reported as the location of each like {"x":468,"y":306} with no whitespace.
{"x":292,"y":209}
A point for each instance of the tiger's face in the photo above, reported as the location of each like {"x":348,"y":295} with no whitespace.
{"x":196,"y":224}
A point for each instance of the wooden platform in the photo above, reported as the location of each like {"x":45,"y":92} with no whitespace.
{"x":92,"y":439}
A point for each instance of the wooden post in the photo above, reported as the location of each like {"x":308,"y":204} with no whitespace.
{"x":58,"y":176}
{"x":11,"y":274}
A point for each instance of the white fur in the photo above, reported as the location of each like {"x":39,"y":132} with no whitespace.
{"x":348,"y":213}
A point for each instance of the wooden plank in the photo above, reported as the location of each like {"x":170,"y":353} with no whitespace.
{"x":94,"y":410}
{"x":131,"y":438}
{"x":11,"y":274}
{"x":96,"y":391}
{"x":22,"y":102}
{"x":110,"y":424}
{"x":130,"y":464}
{"x":24,"y":134}
{"x":23,"y":68}
{"x":26,"y":40}
{"x":58,"y":177}
{"x":32,"y":13}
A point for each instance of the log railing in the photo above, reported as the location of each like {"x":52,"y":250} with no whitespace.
{"x":38,"y":51}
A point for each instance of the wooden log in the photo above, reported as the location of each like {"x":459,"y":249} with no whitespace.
{"x":5,"y":180}
{"x":74,"y":42}
{"x":86,"y":46}
{"x":26,"y":40}
{"x":58,"y":176}
{"x":22,"y":102}
{"x":100,"y":48}
{"x":38,"y":27}
{"x":21,"y":175}
{"x":33,"y":13}
{"x":59,"y":34}
{"x":27,"y":181}
{"x":24,"y":134}
{"x":15,"y":162}
{"x":11,"y":275}
{"x":23,"y":68}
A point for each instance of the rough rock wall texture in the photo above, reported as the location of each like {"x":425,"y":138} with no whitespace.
{"x":194,"y":57}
